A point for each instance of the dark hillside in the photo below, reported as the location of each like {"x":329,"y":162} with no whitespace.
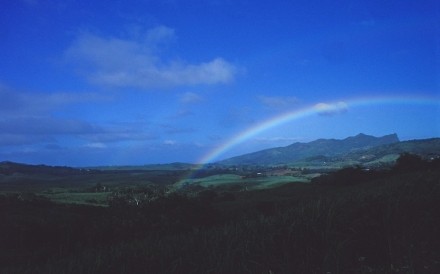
{"x":8,"y":168}
{"x":386,"y":154}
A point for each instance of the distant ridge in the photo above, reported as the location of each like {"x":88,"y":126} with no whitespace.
{"x":7,"y":168}
{"x":320,"y":147}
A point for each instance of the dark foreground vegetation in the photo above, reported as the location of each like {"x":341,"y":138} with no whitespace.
{"x":350,"y":221}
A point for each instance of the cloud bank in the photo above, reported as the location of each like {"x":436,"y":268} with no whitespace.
{"x":331,"y":109}
{"x":139,"y":62}
{"x":30,"y":119}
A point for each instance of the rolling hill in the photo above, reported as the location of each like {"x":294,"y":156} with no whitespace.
{"x":318,"y":148}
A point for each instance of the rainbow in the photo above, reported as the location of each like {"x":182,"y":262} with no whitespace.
{"x":320,"y":108}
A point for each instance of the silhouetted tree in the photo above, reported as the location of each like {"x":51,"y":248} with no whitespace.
{"x":408,"y":162}
{"x":345,"y":176}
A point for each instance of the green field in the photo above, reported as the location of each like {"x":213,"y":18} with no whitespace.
{"x":222,"y":180}
{"x":85,"y":198}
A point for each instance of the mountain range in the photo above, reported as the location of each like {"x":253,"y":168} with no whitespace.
{"x":359,"y":149}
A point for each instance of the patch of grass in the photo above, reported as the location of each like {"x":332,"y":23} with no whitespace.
{"x":217,"y":180}
{"x":91,"y":198}
{"x":275,"y":181}
{"x":222,"y":180}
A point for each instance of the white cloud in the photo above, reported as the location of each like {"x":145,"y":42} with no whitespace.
{"x":138,"y":62}
{"x":95,"y":145}
{"x":278,"y":102}
{"x":331,"y":109}
{"x":170,"y":142}
{"x":190,"y":98}
{"x":160,"y":35}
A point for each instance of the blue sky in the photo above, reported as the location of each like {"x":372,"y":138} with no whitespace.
{"x":135,"y":82}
